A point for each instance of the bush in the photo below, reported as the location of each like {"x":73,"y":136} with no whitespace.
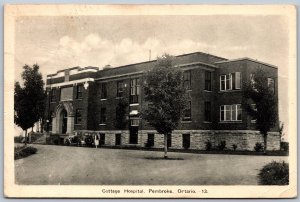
{"x":222,"y":145}
{"x":284,"y":146}
{"x":274,"y":173}
{"x":23,"y":152}
{"x":208,"y":145}
{"x":234,"y":146}
{"x":258,"y":147}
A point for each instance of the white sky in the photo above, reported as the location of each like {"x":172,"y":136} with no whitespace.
{"x":61,"y":42}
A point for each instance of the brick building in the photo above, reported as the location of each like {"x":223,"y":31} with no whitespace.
{"x":87,"y":100}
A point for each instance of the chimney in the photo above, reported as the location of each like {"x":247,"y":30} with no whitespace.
{"x":107,"y":67}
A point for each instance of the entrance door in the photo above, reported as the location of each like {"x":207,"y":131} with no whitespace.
{"x":186,"y":141}
{"x":64,"y":122}
{"x":133,"y":137}
{"x":118,"y":139}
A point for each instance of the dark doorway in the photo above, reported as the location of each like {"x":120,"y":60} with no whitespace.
{"x":169,"y":140}
{"x":102,"y":139}
{"x":150,"y":140}
{"x":118,"y":139}
{"x":64,"y":121}
{"x":186,"y":141}
{"x":133,"y":137}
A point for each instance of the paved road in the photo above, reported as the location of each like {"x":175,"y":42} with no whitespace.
{"x":54,"y":165}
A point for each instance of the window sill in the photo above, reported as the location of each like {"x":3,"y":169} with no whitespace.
{"x":187,"y":121}
{"x":103,"y":99}
{"x":208,"y":91}
{"x":231,"y":122}
{"x":134,"y":104}
{"x":102,"y":124}
{"x":228,"y":91}
{"x":207,"y":122}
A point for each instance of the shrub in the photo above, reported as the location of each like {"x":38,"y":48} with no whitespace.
{"x":89,"y":140}
{"x":284,"y":146}
{"x":222,"y":145}
{"x":258,"y":147}
{"x":23,"y":152}
{"x":208,"y":145}
{"x":274,"y":173}
{"x":234,"y":146}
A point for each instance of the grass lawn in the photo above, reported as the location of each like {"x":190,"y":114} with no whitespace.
{"x":53,"y":165}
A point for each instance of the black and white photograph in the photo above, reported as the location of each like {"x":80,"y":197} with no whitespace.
{"x":150,"y":101}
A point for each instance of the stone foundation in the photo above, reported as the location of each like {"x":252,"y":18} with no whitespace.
{"x":245,"y":140}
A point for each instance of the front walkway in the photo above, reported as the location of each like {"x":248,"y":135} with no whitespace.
{"x":90,"y":166}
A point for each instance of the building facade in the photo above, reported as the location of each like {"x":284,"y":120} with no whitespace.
{"x":108,"y":102}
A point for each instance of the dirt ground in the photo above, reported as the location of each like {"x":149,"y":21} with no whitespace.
{"x":53,"y":165}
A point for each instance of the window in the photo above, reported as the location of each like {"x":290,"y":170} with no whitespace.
{"x":271,"y":85}
{"x":207,"y":111}
{"x":79,"y":90}
{"x":150,"y":140}
{"x":103,"y":116}
{"x":186,"y":141}
{"x":118,"y":139}
{"x":169,"y":140}
{"x":253,"y":106}
{"x":187,"y":80}
{"x":187,"y":112}
{"x":236,"y":80}
{"x":252,"y":81}
{"x":230,"y":81}
{"x":52,"y":95}
{"x":134,"y":122}
{"x":78,"y":116}
{"x":103,"y":91}
{"x":120,"y":86}
{"x":207,"y":81}
{"x":102,"y":139}
{"x":231,"y":112}
{"x":134,"y":90}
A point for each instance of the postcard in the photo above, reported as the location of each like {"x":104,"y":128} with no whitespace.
{"x":150,"y":101}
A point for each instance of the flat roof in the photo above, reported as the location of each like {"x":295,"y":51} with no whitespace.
{"x":246,"y":58}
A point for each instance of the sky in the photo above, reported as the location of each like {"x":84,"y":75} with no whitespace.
{"x":60,"y":42}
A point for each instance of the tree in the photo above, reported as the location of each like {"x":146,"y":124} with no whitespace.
{"x":165,"y":93}
{"x":29,"y":99}
{"x":121,"y":121}
{"x":265,"y":110}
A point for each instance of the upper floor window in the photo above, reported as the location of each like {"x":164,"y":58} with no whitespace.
{"x":120,"y":88}
{"x":230,"y":81}
{"x":207,"y":111}
{"x":103,"y":115}
{"x":103,"y":91}
{"x":52,"y":95}
{"x":231,"y":112}
{"x":79,"y":90}
{"x":253,"y":106}
{"x":207,"y":81}
{"x":187,"y":80}
{"x":78,"y":116}
{"x":187,"y":113}
{"x":271,"y":85}
{"x":252,"y":81}
{"x":134,"y":90}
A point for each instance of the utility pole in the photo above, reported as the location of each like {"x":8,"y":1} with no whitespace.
{"x":149,"y":54}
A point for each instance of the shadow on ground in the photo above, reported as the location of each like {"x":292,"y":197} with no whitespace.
{"x":162,"y":158}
